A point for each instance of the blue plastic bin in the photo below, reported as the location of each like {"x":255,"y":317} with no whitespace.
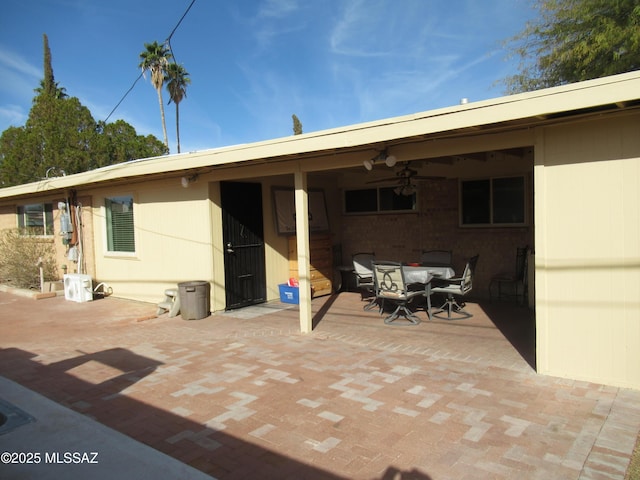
{"x":289,"y":294}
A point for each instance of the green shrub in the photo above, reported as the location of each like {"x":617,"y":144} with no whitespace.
{"x":19,"y":256}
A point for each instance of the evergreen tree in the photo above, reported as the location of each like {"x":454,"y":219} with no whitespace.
{"x":297,"y":125}
{"x":61,"y":135}
{"x":575,"y":40}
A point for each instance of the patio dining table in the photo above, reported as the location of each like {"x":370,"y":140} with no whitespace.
{"x":423,"y":275}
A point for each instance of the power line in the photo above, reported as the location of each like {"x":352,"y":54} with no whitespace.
{"x":168,"y":42}
{"x":123,"y":97}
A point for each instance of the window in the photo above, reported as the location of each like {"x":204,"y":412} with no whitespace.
{"x":495,"y":201}
{"x":120,"y":234}
{"x":382,"y":199}
{"x":36,"y":219}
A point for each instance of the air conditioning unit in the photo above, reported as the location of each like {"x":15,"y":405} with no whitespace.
{"x":78,"y":287}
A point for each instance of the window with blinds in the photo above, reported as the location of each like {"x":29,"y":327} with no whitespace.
{"x":36,"y":219}
{"x":119,"y":216}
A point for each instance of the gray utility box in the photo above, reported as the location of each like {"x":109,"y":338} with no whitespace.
{"x":194,"y":299}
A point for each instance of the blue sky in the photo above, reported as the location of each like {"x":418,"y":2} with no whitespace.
{"x":254,"y":63}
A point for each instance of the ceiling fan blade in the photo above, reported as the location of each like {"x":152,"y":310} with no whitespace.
{"x":383,"y":180}
{"x":432,"y":177}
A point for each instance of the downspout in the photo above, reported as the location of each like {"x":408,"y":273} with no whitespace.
{"x":302,"y":238}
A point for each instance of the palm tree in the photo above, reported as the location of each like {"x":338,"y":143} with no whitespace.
{"x":177,"y":79}
{"x":155,"y":59}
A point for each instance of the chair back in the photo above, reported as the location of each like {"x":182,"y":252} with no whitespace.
{"x":389,"y":279}
{"x":436,"y":258}
{"x":522,"y":257}
{"x":362,"y":264}
{"x":466,"y":283}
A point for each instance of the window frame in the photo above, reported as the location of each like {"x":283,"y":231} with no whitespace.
{"x":491,"y":199}
{"x":109,"y":247}
{"x":46,"y":217}
{"x":378,"y":210}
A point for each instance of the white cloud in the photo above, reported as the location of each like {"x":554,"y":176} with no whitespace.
{"x":12,"y":115}
{"x":277,"y":8}
{"x":16,"y":63}
{"x":275,"y":18}
{"x":19,"y":77}
{"x":361,"y":30}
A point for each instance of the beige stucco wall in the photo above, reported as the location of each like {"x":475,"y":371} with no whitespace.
{"x":587,"y":204}
{"x":179,"y":238}
{"x":172,"y":234}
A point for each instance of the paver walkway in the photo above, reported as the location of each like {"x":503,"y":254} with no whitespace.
{"x":244,"y":395}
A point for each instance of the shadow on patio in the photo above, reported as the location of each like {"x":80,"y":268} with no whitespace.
{"x":95,"y":385}
{"x":482,"y":335}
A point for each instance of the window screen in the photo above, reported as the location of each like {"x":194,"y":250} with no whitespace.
{"x":35,"y":219}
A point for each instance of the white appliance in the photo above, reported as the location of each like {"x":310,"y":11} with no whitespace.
{"x":78,"y":287}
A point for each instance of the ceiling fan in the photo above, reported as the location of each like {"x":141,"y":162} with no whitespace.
{"x":404,"y":179}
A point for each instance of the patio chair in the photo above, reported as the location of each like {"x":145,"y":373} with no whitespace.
{"x":459,"y":286}
{"x":515,"y":282}
{"x":437,"y":258}
{"x":391,"y":286}
{"x":362,"y":266}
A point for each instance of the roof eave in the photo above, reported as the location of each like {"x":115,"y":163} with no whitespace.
{"x":616,"y":90}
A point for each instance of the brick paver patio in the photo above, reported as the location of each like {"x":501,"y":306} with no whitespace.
{"x":244,"y":395}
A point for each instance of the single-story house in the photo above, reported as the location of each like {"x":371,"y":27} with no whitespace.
{"x":556,"y":169}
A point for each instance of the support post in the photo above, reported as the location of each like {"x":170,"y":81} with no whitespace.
{"x":302,"y":238}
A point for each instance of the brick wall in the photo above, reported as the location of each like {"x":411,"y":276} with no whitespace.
{"x":402,"y":237}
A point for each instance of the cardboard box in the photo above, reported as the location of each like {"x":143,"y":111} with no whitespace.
{"x":289,"y":294}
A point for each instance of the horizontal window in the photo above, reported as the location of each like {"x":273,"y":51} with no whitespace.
{"x":493,"y":201}
{"x":35,"y":219}
{"x":381,"y":199}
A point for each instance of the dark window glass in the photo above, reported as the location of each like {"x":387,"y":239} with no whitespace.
{"x":357,"y":201}
{"x":476,"y":195}
{"x":508,"y":200}
{"x":390,"y":200}
{"x":373,"y":200}
{"x":498,"y":201}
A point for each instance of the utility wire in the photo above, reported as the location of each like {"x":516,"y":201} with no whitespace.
{"x":123,"y":97}
{"x":168,"y":42}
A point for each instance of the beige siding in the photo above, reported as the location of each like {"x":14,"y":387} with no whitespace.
{"x":172,"y":234}
{"x":588,"y":251}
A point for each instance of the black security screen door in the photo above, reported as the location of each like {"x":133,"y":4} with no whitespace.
{"x":244,"y":268}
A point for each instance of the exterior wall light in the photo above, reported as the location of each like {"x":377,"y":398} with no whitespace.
{"x":186,"y":181}
{"x":389,"y":160}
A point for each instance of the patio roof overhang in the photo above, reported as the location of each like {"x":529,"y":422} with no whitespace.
{"x":499,"y":115}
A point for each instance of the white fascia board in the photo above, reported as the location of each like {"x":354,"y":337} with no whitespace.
{"x":602,"y":91}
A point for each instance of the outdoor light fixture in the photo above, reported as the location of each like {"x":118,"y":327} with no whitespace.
{"x":186,"y":181}
{"x":405,"y":190}
{"x":389,"y":160}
